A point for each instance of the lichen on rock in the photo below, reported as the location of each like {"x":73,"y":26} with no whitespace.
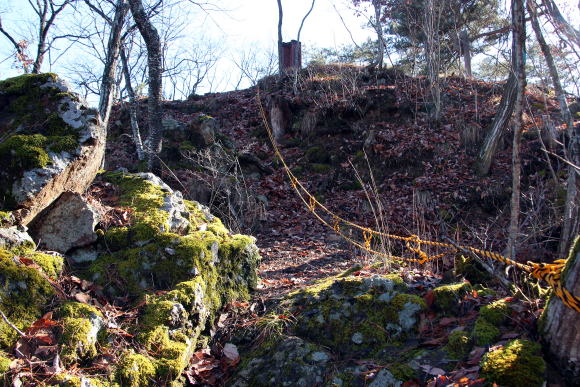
{"x":355,"y":315}
{"x":180,"y":260}
{"x":288,"y":361}
{"x":50,"y":142}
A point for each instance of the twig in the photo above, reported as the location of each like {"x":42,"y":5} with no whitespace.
{"x":503,"y":281}
{"x":11,"y":325}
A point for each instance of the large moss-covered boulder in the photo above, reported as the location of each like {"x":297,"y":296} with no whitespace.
{"x":357,"y":316}
{"x":180,"y":260}
{"x":50,"y":142}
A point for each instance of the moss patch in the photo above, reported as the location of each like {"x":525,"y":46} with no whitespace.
{"x":449,"y":297}
{"x":517,"y":364}
{"x":484,"y":333}
{"x":496,"y":312}
{"x":135,"y":370}
{"x":356,"y":316}
{"x":24,"y":292}
{"x":458,"y":344}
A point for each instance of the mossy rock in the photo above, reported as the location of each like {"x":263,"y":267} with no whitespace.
{"x":517,"y":364}
{"x":496,"y":312}
{"x":356,"y":316}
{"x":484,"y":333}
{"x":24,"y":293}
{"x":81,"y":325}
{"x":32,"y":126}
{"x":283,"y":361}
{"x":470,"y":269}
{"x":146,"y":255}
{"x":448,"y":298}
{"x":184,"y":276}
{"x":458,"y":344}
{"x":135,"y":370}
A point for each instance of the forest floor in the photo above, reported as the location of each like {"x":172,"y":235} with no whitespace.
{"x":423,"y":184}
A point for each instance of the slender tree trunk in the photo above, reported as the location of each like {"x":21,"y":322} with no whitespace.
{"x":559,"y":324}
{"x":280,"y":41}
{"x":154,"y":61}
{"x":465,"y":45}
{"x":570,"y":221}
{"x":518,"y":49}
{"x":132,"y":107}
{"x":380,"y":36}
{"x":107,"y":92}
{"x":433,"y":54}
{"x":42,"y":32}
{"x":498,"y":126}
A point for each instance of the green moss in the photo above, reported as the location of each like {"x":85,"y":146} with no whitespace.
{"x":484,"y":333}
{"x":517,"y":364}
{"x":448,"y":297}
{"x":51,"y":264}
{"x":4,"y":363}
{"x":320,"y":168}
{"x":24,"y":152}
{"x":471,"y":269}
{"x":135,"y":370}
{"x":78,"y":310}
{"x":172,"y":354}
{"x":402,"y":371}
{"x":75,"y":343}
{"x":458,"y":344}
{"x":496,"y":312}
{"x":24,"y":292}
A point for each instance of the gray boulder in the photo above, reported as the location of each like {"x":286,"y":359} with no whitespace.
{"x":51,"y":143}
{"x":68,"y":223}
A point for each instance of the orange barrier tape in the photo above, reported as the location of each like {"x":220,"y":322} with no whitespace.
{"x":550,"y":273}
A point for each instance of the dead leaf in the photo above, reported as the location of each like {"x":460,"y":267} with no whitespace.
{"x":231,"y":353}
{"x":432,"y":370}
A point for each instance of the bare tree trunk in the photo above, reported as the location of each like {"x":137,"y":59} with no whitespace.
{"x":45,"y":21}
{"x":132,"y":107}
{"x":518,"y":49}
{"x":498,"y":126}
{"x":280,"y":41}
{"x":107,"y":91}
{"x":433,"y":54}
{"x":559,"y":324}
{"x":380,"y":36}
{"x":154,"y":62}
{"x":570,"y":221}
{"x":465,"y":45}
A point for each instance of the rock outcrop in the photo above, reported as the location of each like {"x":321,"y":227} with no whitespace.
{"x":336,"y":321}
{"x":50,"y":142}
